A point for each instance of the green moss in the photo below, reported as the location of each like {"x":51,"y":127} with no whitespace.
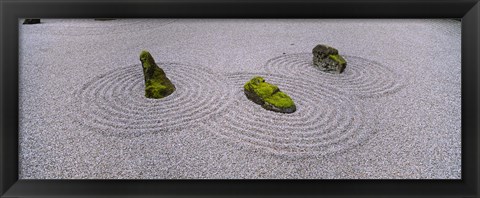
{"x":268,"y":92}
{"x":280,"y":100}
{"x":157,"y":85}
{"x":337,"y":58}
{"x":155,"y":91}
{"x":253,"y":83}
{"x":146,"y":59}
{"x":265,"y":90}
{"x":260,"y":87}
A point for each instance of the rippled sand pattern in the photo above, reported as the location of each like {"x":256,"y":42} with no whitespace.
{"x":114,"y":103}
{"x":325,"y":121}
{"x":361,"y":77}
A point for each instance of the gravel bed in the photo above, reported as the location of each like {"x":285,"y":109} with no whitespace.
{"x":395,"y":113}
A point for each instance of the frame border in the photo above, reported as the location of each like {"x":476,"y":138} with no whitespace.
{"x":11,"y":186}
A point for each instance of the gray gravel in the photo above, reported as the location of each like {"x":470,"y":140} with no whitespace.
{"x":394,"y":114}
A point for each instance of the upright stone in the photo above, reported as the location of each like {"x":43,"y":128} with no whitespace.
{"x":31,"y":21}
{"x":268,"y":95}
{"x":327,"y":59}
{"x":157,"y":85}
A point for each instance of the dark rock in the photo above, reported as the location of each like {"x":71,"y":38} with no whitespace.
{"x":268,"y":95}
{"x":157,"y":85}
{"x":327,"y":59}
{"x":31,"y":21}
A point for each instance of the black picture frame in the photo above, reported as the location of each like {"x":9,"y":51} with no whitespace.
{"x":466,"y":10}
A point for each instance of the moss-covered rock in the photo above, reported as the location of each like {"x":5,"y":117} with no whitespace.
{"x":327,"y":59}
{"x":157,"y":85}
{"x":268,"y":95}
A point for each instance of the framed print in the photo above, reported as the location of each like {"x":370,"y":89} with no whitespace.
{"x":239,"y":98}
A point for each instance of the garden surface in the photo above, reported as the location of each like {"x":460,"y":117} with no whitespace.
{"x":394,"y":113}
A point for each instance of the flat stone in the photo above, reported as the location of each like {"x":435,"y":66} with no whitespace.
{"x":31,"y":21}
{"x":327,"y":59}
{"x":157,"y":85}
{"x":268,"y":96}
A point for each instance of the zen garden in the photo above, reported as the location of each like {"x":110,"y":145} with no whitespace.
{"x":112,"y":98}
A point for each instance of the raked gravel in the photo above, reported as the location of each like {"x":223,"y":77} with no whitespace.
{"x":394,"y":114}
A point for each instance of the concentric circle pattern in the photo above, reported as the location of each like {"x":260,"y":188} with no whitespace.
{"x":114,"y":103}
{"x":361,"y":77}
{"x":79,"y":27}
{"x":325,"y":121}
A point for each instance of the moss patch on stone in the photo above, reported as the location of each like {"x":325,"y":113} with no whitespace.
{"x":260,"y":87}
{"x":268,"y":95}
{"x":337,"y":58}
{"x":280,"y":99}
{"x":327,"y":59}
{"x":157,"y":85}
